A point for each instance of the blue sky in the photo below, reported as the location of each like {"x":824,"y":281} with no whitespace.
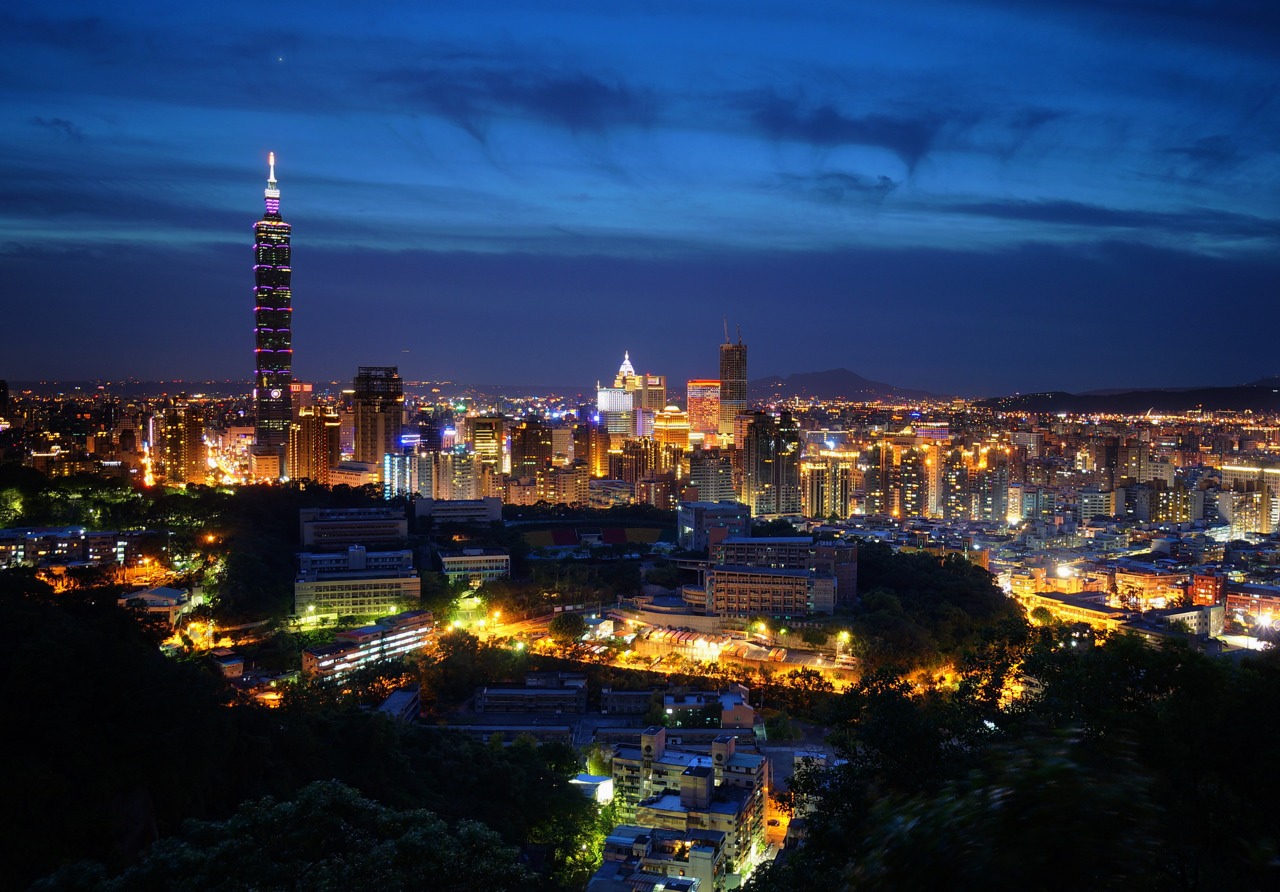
{"x":972,"y":197}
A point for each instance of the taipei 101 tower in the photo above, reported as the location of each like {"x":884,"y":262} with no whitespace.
{"x":272,"y":324}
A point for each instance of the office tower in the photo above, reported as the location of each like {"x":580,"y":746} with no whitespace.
{"x":733,"y":382}
{"x":591,"y":445}
{"x":314,"y":444}
{"x":649,"y":392}
{"x":616,"y":407}
{"x":771,"y":472}
{"x":703,"y":399}
{"x":180,"y":441}
{"x":379,"y":413}
{"x":671,"y":427}
{"x":532,"y":446}
{"x":4,"y":398}
{"x":272,"y":323}
{"x":487,"y":436}
{"x":626,"y":373}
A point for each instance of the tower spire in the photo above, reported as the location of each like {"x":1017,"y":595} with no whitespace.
{"x":273,"y":190}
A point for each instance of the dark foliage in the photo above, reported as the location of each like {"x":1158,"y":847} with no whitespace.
{"x":1134,"y":768}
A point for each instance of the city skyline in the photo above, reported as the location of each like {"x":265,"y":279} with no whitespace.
{"x":978,"y":200}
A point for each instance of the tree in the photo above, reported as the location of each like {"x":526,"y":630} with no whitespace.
{"x":327,"y":837}
{"x":566,"y":628}
{"x":815,"y":637}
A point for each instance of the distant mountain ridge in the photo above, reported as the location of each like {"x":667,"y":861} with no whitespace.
{"x":832,"y":384}
{"x":1261,"y":396}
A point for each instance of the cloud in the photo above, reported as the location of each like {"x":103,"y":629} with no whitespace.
{"x":1219,"y":152}
{"x":86,"y":34}
{"x":575,"y":101}
{"x":1234,"y":25}
{"x":834,"y":187}
{"x":60,"y":126}
{"x":1070,"y":213}
{"x":780,"y":118}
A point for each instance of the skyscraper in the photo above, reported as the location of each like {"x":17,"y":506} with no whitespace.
{"x":703,"y":397}
{"x":771,"y":475}
{"x":180,"y":450}
{"x":733,"y":382}
{"x":314,"y":444}
{"x":272,"y":323}
{"x":379,"y":413}
{"x":487,"y":435}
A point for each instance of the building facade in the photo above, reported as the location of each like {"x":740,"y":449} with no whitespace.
{"x":379,"y":413}
{"x":733,"y":383}
{"x":357,"y":582}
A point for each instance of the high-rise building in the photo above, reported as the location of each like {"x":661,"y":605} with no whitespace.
{"x":379,"y":413}
{"x":827,"y":483}
{"x":711,"y":472}
{"x":733,"y":382}
{"x":671,"y":427}
{"x":617,"y":410}
{"x":180,"y":438}
{"x":314,"y":440}
{"x":771,"y":472}
{"x":532,"y":446}
{"x":487,"y":436}
{"x":703,"y":398}
{"x":456,"y":476}
{"x":272,"y":323}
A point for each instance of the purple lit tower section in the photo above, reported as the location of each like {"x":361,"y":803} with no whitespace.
{"x":272,"y":323}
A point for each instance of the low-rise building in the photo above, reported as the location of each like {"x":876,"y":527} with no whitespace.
{"x":402,"y":705}
{"x":680,"y":790}
{"x":356,"y":582}
{"x":341,"y":527}
{"x":700,"y":525}
{"x":169,"y":603}
{"x":459,"y":511}
{"x":640,"y":859}
{"x":389,"y":638}
{"x":740,"y":591}
{"x":546,"y":701}
{"x":476,"y":566}
{"x":1075,"y":609}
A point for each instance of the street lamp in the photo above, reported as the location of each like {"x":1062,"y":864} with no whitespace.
{"x":841,"y":640}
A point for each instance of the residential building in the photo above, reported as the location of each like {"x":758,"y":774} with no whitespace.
{"x":669,"y":788}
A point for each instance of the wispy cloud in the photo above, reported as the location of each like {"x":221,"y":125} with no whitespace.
{"x":780,"y":117}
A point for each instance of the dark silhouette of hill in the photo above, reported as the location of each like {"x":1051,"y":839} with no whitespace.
{"x":832,"y":384}
{"x":1248,"y":397}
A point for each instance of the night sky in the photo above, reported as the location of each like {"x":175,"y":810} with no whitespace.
{"x":974,"y":197}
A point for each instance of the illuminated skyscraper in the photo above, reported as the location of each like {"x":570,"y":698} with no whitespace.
{"x":771,"y":474}
{"x":179,"y":439}
{"x":487,"y":435}
{"x":272,"y":323}
{"x":379,"y":413}
{"x":733,"y":382}
{"x":314,"y":444}
{"x":703,"y":397}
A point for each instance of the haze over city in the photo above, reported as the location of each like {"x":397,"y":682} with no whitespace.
{"x":975,"y":199}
